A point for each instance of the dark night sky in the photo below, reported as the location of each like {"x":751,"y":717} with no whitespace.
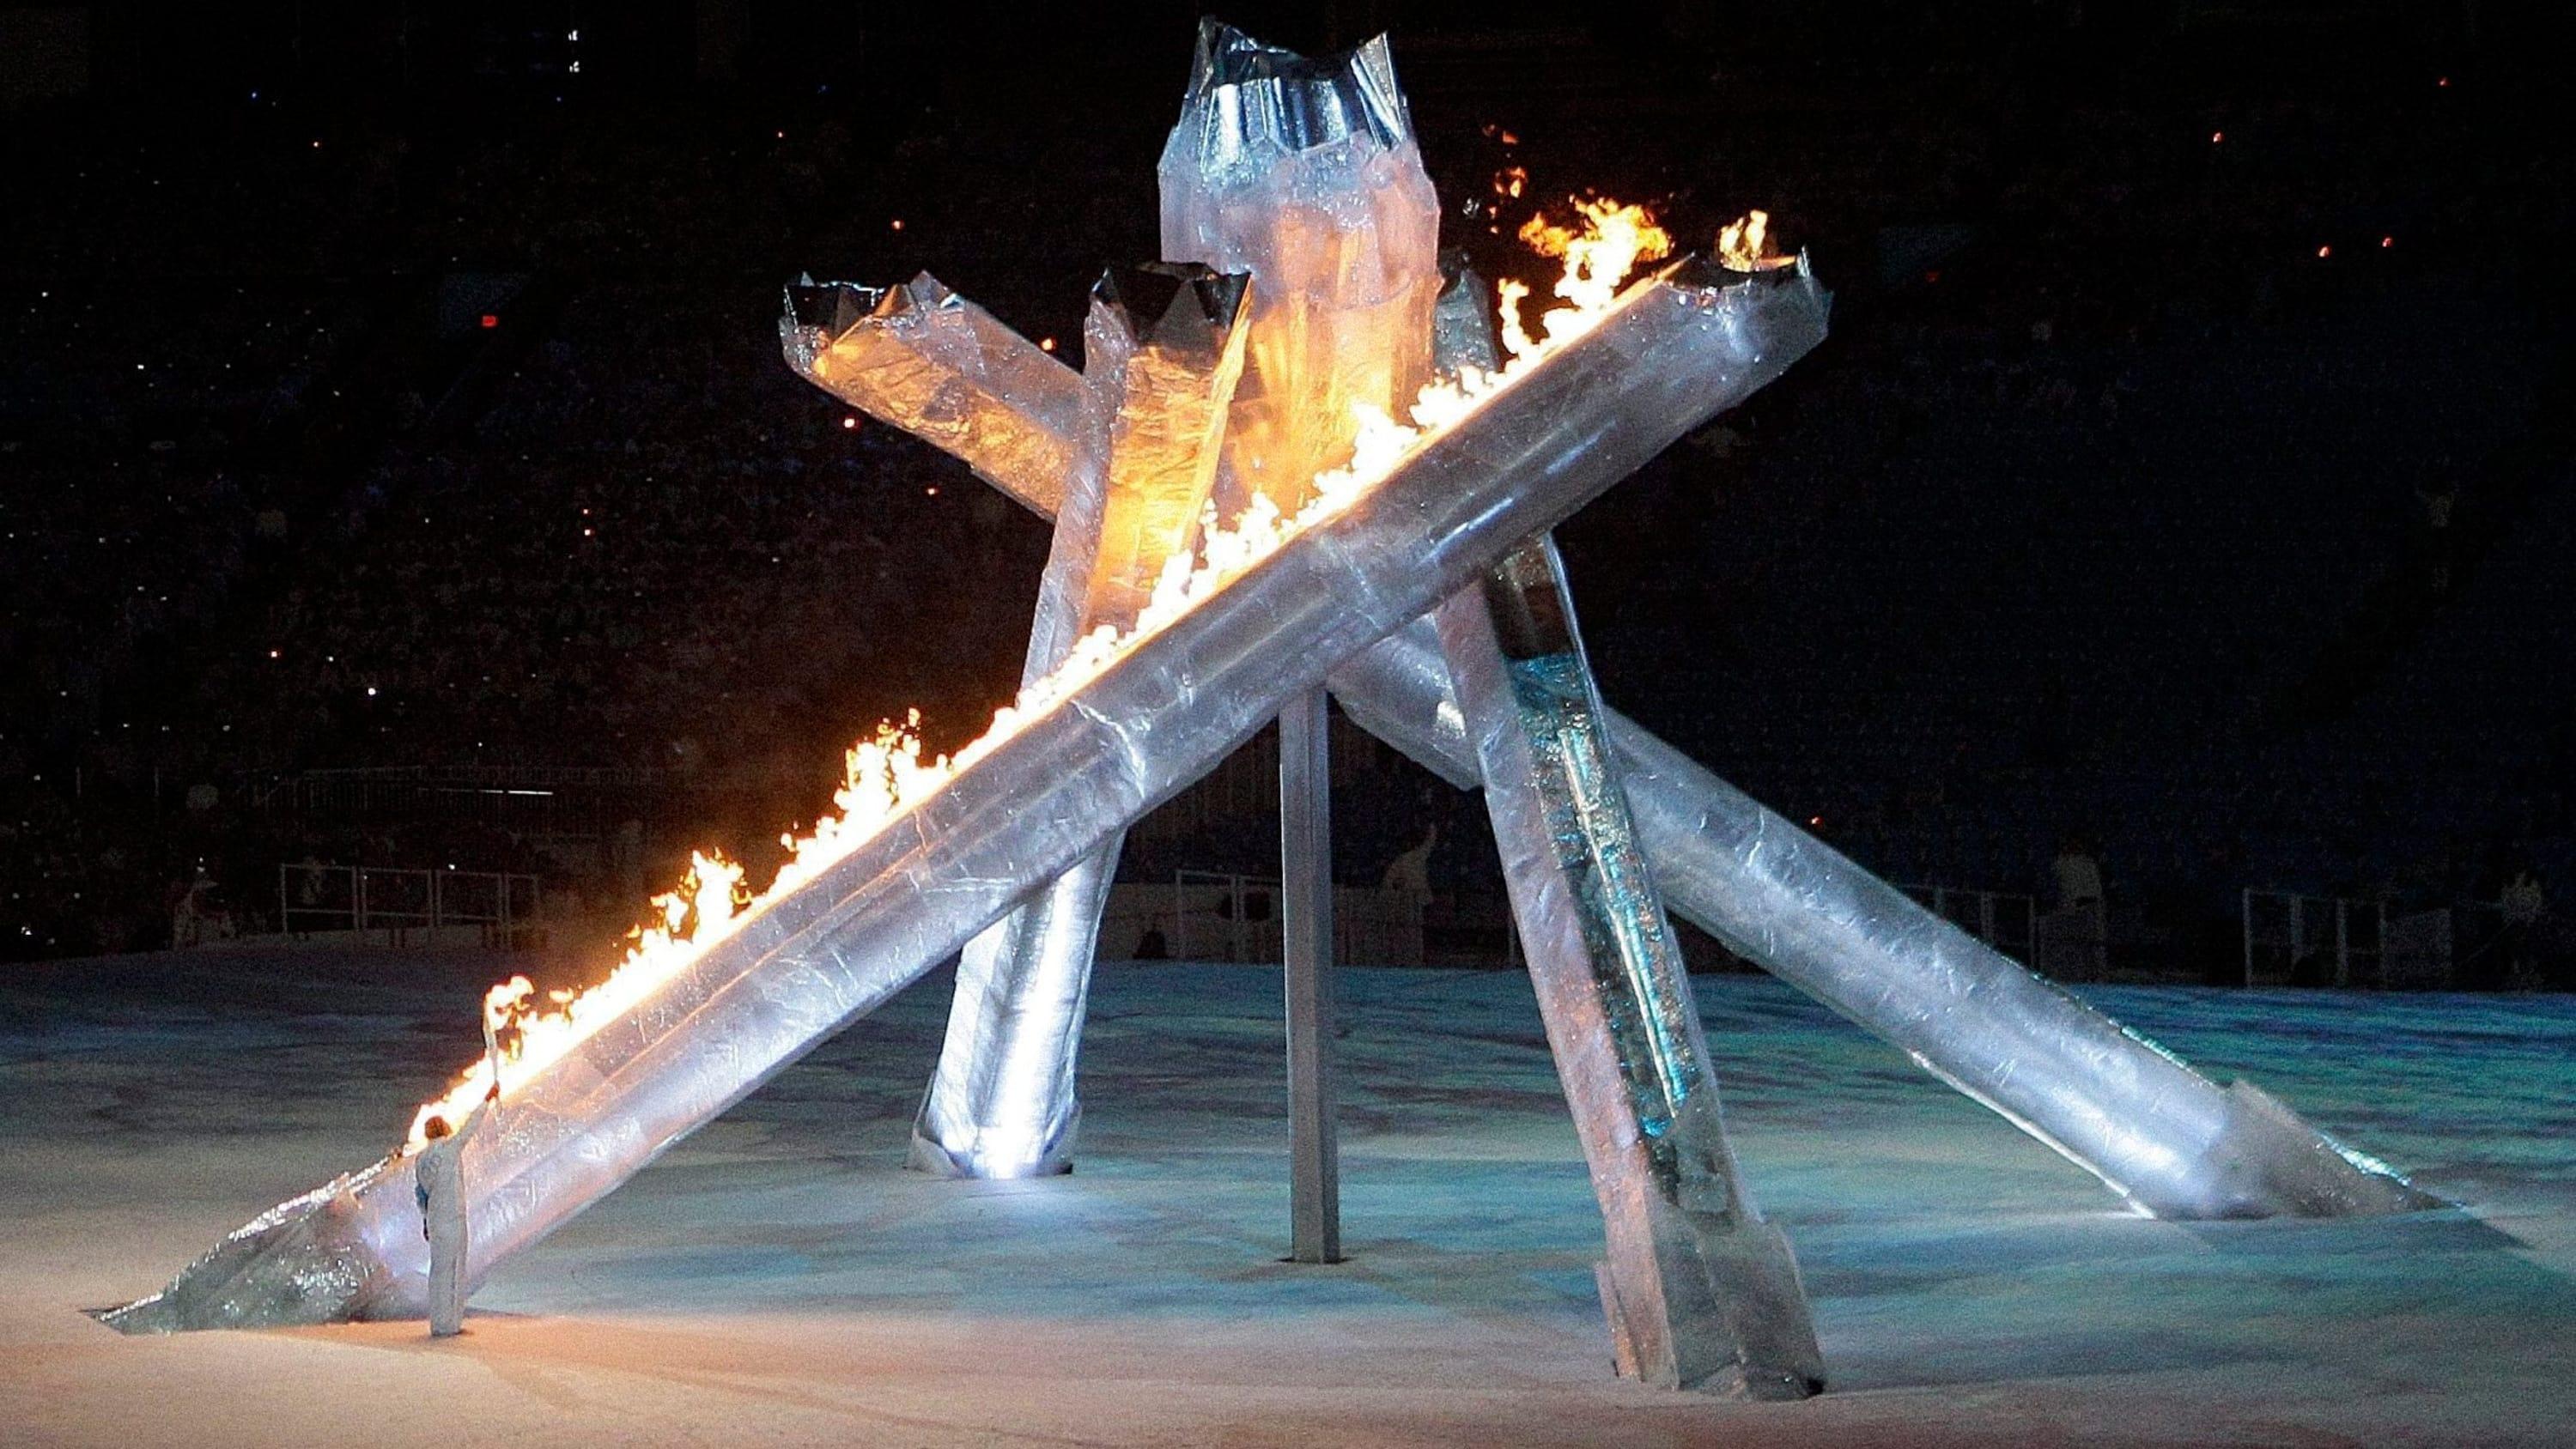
{"x":2103,"y":512}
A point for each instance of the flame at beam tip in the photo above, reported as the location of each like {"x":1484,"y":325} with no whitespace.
{"x":886,"y":773}
{"x":1744,"y":245}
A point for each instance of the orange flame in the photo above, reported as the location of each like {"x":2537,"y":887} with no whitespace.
{"x":1609,"y":243}
{"x":1599,"y":253}
{"x":885,"y":774}
{"x":1744,"y":245}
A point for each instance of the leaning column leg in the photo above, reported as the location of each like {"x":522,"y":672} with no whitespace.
{"x":1700,"y":1291}
{"x":1162,"y":350}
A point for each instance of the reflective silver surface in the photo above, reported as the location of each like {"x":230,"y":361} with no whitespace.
{"x":2170,"y":1140}
{"x":1162,"y":351}
{"x":805,"y":965}
{"x":1700,"y":1291}
{"x":1306,"y":175}
{"x":939,"y":367}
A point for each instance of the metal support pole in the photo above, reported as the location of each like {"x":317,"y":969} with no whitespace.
{"x":1700,"y":1291}
{"x":2245,"y":917}
{"x":1306,"y":938}
{"x":2343,"y":942}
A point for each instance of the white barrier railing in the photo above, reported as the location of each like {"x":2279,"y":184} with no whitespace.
{"x":2005,"y":920}
{"x":1216,"y":916}
{"x":2332,"y":940}
{"x":502,"y":906}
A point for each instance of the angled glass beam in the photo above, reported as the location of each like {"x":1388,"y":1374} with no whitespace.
{"x":949,"y":372}
{"x":1699,"y":1290}
{"x":803,"y":966}
{"x":2165,"y":1137}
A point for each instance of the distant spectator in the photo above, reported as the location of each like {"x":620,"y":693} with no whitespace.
{"x":1154,"y":946}
{"x":2079,"y":877}
{"x":2079,"y":927}
{"x":1409,"y":874}
{"x":2524,"y":906}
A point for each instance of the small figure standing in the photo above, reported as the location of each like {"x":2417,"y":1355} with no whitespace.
{"x":438,"y":1183}
{"x":1409,"y":874}
{"x":2086,"y":925}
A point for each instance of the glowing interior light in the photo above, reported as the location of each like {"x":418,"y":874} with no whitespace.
{"x":886,"y":773}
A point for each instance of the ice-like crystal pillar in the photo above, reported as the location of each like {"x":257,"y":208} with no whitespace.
{"x":1162,"y":350}
{"x":1305,"y":173}
{"x":1700,"y":1291}
{"x":805,"y":965}
{"x":2114,"y":1103}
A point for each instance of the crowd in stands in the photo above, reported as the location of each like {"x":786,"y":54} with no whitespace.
{"x":276,"y":521}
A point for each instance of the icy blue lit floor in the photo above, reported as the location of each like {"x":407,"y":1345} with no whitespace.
{"x":778,"y":1277}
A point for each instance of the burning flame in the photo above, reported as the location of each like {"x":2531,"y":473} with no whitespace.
{"x":1612,"y":241}
{"x":886,"y":773}
{"x":1745,"y":245}
{"x":1598,"y":256}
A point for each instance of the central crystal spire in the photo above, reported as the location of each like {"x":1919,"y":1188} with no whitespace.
{"x":1305,"y":174}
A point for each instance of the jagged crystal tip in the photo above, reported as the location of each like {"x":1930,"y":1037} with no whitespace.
{"x":1246,"y":96}
{"x":1183,"y":306}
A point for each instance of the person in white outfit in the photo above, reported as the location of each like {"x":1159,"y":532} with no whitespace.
{"x":438,"y":1182}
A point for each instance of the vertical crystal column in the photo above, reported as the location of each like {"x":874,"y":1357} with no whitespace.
{"x":2169,"y":1139}
{"x":1305,"y":173}
{"x":1162,"y":350}
{"x":1700,"y":1291}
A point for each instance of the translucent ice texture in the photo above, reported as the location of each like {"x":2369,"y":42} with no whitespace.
{"x":936,"y":365}
{"x":1305,"y":174}
{"x":804,"y":964}
{"x":1162,"y":352}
